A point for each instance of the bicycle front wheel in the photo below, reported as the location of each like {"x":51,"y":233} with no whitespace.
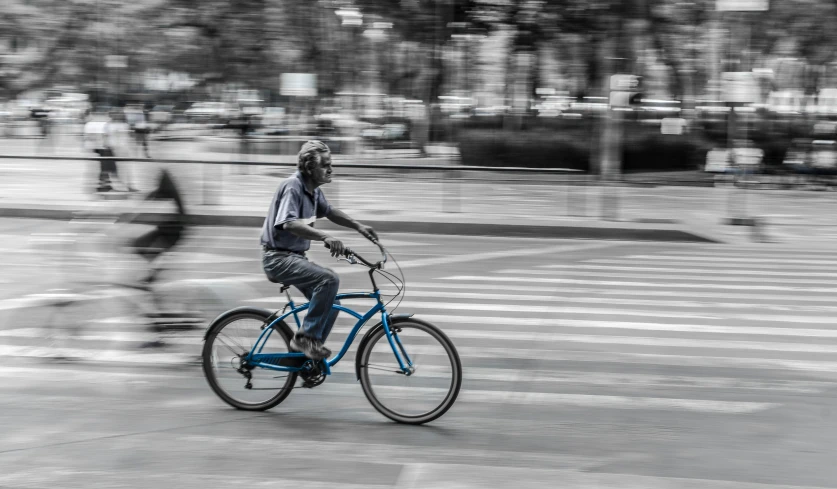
{"x":432,"y":387}
{"x":251,"y":389}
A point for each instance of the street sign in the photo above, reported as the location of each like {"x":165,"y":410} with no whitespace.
{"x":739,"y":87}
{"x":672,"y":125}
{"x":116,"y":61}
{"x":624,"y":82}
{"x":741,"y":5}
{"x":298,"y":84}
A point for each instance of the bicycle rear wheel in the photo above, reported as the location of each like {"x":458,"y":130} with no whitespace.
{"x":60,"y":325}
{"x":226,"y":344}
{"x":429,"y":391}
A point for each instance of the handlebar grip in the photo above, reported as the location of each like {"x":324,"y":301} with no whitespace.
{"x":346,"y":250}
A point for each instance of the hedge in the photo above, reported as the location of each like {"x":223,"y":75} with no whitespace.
{"x":644,"y":149}
{"x":531,"y":149}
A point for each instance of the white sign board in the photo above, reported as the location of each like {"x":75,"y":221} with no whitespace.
{"x":739,"y":87}
{"x":717,"y":161}
{"x":298,"y":84}
{"x":116,"y":61}
{"x":620,"y":99}
{"x":747,"y":156}
{"x":624,"y":82}
{"x":741,"y":5}
{"x":672,"y":125}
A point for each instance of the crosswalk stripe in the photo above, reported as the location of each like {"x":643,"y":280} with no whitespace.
{"x":632,"y":380}
{"x":542,"y":337}
{"x":560,"y":399}
{"x":771,"y":252}
{"x":663,"y":276}
{"x":359,"y":451}
{"x":627,"y":283}
{"x":640,"y":341}
{"x":502,"y":288}
{"x":564,"y":299}
{"x":602,"y":311}
{"x":678,"y":270}
{"x":709,"y":265}
{"x":684,"y":359}
{"x":639,"y":326}
{"x":115,"y":356}
{"x":743,"y":259}
{"x":423,"y":475}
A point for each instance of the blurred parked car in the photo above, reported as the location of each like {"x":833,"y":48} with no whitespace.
{"x":272,"y":121}
{"x":208,"y":112}
{"x":161,"y":114}
{"x":653,"y":111}
{"x":826,"y":105}
{"x":388,"y":136}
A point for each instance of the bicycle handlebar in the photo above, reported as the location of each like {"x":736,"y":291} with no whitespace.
{"x":353,"y":257}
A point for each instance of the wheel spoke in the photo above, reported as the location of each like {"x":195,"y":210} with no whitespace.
{"x":237,"y":351}
{"x":385,"y":369}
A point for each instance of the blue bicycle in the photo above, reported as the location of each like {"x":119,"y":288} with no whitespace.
{"x":408,"y":368}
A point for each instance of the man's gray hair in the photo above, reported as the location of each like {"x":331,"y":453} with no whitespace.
{"x":310,"y":155}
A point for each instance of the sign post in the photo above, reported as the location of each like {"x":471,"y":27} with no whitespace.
{"x":740,"y":88}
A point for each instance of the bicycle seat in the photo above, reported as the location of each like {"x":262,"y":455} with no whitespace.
{"x":283,"y":287}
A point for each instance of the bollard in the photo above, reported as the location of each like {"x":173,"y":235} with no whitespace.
{"x":211,"y":178}
{"x":451,"y":192}
{"x":610,"y":200}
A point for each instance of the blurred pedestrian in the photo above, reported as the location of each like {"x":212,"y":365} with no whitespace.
{"x":41,"y":118}
{"x":98,"y":138}
{"x":137,"y":119}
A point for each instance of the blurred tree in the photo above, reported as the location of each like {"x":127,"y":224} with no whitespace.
{"x":38,"y":41}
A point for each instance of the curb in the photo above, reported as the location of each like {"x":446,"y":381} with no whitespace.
{"x":423,"y":227}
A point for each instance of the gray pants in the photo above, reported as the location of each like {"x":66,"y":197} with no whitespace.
{"x":318,"y":284}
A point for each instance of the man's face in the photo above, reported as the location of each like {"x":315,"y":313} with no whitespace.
{"x":321,"y":173}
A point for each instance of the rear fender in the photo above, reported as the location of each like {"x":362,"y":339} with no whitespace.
{"x":264,"y":313}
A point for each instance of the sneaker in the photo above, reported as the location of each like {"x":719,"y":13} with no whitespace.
{"x":312,"y":348}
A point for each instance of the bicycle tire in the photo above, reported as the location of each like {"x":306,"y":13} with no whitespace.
{"x":207,"y":358}
{"x":398,"y":328}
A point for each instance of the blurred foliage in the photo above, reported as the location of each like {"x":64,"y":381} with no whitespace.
{"x":643,"y":150}
{"x":66,"y":42}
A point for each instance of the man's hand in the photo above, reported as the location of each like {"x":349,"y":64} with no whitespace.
{"x":368,"y":232}
{"x":336,"y":246}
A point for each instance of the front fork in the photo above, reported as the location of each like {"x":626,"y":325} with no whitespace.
{"x":405,"y":363}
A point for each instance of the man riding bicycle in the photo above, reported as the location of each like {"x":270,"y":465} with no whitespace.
{"x":286,"y":236}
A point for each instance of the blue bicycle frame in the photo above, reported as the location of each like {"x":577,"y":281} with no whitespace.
{"x":272,"y":360}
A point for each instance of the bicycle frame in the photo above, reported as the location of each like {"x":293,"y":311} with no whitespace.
{"x":271,"y":361}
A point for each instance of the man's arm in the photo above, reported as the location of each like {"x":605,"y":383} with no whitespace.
{"x":339,"y":217}
{"x":305,"y":231}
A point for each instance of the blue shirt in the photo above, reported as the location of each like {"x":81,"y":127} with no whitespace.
{"x":292,"y":202}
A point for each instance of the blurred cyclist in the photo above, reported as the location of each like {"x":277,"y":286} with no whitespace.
{"x":166,"y":234}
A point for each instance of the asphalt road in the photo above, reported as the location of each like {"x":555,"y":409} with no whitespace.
{"x":588,"y":364}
